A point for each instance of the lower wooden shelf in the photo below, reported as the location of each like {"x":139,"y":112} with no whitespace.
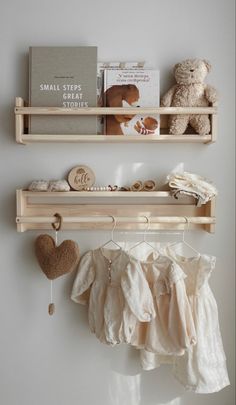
{"x":95,"y":210}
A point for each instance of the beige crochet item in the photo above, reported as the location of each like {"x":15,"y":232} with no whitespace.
{"x":58,"y":185}
{"x":38,"y":185}
{"x":52,"y":185}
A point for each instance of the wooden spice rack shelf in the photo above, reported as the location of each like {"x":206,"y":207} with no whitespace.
{"x":22,"y":112}
{"x":94,"y":210}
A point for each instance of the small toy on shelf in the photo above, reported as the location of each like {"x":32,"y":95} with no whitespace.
{"x":81,"y":177}
{"x":148,"y":185}
{"x":52,"y":185}
{"x":190,"y":91}
{"x":38,"y":185}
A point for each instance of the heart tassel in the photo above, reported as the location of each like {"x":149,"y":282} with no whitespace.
{"x":51,"y":306}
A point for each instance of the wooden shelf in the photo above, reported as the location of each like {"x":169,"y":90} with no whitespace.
{"x":94,"y":210}
{"x":24,"y":138}
{"x":38,"y":138}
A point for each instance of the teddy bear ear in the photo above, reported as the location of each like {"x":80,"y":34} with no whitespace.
{"x":208,"y":65}
{"x":176,"y":66}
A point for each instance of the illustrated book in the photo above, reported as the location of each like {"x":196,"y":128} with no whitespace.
{"x":132,"y":88}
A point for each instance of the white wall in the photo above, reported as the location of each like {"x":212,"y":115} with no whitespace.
{"x":56,"y":361}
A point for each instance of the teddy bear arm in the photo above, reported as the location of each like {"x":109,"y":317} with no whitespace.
{"x":166,"y":100}
{"x":211,"y":94}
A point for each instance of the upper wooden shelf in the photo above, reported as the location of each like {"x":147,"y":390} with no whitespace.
{"x":94,"y":210}
{"x":22,"y":111}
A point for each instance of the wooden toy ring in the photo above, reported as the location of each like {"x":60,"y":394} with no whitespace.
{"x":57,"y":225}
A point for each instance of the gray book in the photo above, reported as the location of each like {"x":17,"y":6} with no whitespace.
{"x":63,"y":77}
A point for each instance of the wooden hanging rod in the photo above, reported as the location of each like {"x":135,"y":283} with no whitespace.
{"x":109,"y":220}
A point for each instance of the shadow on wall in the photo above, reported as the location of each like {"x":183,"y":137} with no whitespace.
{"x":8,"y":211}
{"x":20,"y":86}
{"x":129,"y":385}
{"x":7,"y":122}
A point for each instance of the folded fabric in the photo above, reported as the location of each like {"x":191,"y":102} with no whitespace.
{"x":192,"y":184}
{"x":177,"y":192}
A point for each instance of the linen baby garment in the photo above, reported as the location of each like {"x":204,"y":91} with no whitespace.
{"x":202,"y":368}
{"x":172,"y":330}
{"x":117,"y":294}
{"x":192,"y":184}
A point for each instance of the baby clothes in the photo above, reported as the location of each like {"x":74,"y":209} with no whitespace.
{"x":202,"y":368}
{"x":117,"y":294}
{"x":172,"y":330}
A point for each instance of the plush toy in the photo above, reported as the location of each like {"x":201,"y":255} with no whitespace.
{"x":54,"y":260}
{"x":147,"y":126}
{"x":190,"y":91}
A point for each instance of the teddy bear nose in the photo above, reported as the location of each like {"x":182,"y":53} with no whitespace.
{"x":191,"y":70}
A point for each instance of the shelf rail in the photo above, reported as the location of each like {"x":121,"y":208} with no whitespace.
{"x":22,"y":111}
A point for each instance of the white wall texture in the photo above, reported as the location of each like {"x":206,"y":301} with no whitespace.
{"x":56,"y":361}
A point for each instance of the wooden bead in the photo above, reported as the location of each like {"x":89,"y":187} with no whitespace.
{"x":51,"y":308}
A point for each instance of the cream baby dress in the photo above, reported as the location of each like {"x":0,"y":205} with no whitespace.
{"x":117,"y":294}
{"x":172,"y":330}
{"x":202,"y":368}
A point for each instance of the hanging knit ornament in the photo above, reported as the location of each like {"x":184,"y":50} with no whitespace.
{"x":55,"y":261}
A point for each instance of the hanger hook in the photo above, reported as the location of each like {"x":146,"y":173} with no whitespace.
{"x":58,"y":223}
{"x":187,"y":223}
{"x":114,"y":226}
{"x":147,"y":228}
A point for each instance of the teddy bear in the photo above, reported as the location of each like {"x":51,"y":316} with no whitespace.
{"x":114,"y":97}
{"x":147,"y":126}
{"x":190,"y":91}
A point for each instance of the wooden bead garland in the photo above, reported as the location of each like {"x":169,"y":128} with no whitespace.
{"x":102,"y":188}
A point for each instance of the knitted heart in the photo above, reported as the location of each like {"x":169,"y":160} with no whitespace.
{"x":56,"y":260}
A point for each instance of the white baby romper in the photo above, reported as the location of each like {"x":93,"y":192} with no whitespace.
{"x":117,"y":294}
{"x":172,"y":330}
{"x":202,"y":368}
